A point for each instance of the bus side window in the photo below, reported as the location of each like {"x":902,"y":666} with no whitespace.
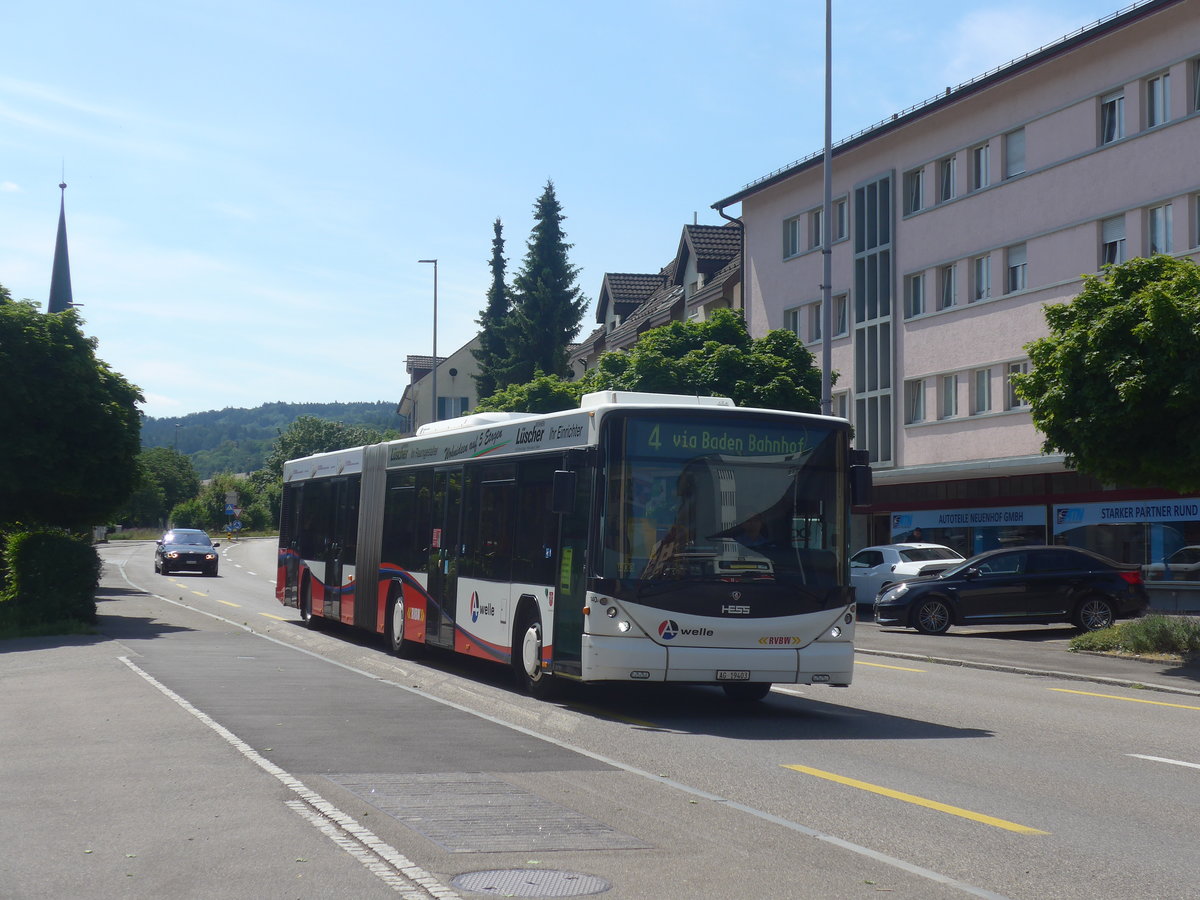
{"x":536,"y":535}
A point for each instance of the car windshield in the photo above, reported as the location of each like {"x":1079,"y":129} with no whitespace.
{"x":184,"y":537}
{"x":924,"y":554}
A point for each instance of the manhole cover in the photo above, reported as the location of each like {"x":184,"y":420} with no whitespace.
{"x":530,"y":883}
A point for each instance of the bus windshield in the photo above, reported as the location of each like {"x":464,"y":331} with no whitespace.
{"x":699,"y":498}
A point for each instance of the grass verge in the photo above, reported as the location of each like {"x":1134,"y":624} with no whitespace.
{"x":1152,"y":635}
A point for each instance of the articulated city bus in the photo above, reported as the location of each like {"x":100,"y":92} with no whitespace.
{"x":641,"y":537}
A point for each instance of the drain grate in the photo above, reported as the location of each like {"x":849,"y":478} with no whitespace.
{"x":475,"y":813}
{"x":530,"y":883}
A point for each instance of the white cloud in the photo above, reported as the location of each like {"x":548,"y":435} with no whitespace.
{"x":987,"y":38}
{"x":8,"y":187}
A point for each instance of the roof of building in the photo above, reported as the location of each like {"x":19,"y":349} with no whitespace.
{"x":1030,"y":60}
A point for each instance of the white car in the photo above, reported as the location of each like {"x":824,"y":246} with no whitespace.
{"x":1182,"y":565}
{"x":874,"y":568}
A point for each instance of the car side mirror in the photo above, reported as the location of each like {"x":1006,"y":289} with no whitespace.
{"x":972,"y":573}
{"x":216,"y":543}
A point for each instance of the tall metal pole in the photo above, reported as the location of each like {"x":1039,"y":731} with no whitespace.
{"x":827,"y":227}
{"x":434,"y":406}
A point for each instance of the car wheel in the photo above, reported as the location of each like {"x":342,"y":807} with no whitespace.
{"x":931,"y":616}
{"x":398,"y":644}
{"x":1094,"y":613}
{"x":747,"y":692}
{"x":527,"y":659}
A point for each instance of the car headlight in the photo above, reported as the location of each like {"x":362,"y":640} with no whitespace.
{"x":895,"y":591}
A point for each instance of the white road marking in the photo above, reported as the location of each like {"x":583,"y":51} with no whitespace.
{"x":1163,"y":759}
{"x":381,"y":859}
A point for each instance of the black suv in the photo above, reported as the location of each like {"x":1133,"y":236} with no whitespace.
{"x":1018,"y":586}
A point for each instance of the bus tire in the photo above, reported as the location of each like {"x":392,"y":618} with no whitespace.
{"x":398,"y":644}
{"x":747,"y":691}
{"x":306,"y":613}
{"x":527,"y":658}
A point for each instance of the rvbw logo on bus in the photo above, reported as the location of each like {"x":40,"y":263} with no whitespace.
{"x":669,"y":630}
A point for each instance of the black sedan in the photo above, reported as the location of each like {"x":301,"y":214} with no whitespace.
{"x":185,"y":550}
{"x":1018,"y":586}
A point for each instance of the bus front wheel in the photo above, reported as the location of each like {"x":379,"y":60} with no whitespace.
{"x":306,"y":614}
{"x":527,"y":658}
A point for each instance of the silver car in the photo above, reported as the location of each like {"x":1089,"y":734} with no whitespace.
{"x":874,"y":568}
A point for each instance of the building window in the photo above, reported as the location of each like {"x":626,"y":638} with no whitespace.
{"x":1159,"y":220}
{"x":1014,"y":153}
{"x":980,"y":177}
{"x":947,"y":179}
{"x":792,"y":319}
{"x":1012,"y":400}
{"x":841,"y":306}
{"x":814,"y":229}
{"x":1196,"y":84}
{"x":1112,"y":241}
{"x":914,"y":295}
{"x":914,"y":191}
{"x":947,"y":290}
{"x":839,"y":220}
{"x":981,"y":278}
{"x":841,"y":404}
{"x":981,"y":391}
{"x":1015,"y":277}
{"x":1112,"y":117}
{"x":914,"y":401}
{"x":814,"y":321}
{"x":1158,"y":99}
{"x":949,"y":396}
{"x":791,"y":237}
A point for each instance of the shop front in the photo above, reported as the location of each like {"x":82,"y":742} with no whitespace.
{"x":971,"y":531}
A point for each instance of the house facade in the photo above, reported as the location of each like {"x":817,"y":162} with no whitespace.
{"x":456,"y":391}
{"x":953,"y":224}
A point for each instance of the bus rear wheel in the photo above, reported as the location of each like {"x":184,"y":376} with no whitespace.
{"x":398,"y":644}
{"x":527,"y":659}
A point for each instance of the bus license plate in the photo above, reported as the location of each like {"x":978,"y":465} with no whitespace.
{"x":733,"y":675}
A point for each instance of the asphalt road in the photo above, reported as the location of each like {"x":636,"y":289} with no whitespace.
{"x":206,"y":744}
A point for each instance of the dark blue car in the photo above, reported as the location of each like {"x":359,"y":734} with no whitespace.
{"x":1018,"y":586}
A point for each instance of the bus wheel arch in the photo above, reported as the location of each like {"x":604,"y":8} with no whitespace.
{"x":397,"y":611}
{"x":305,"y":603}
{"x":527,"y":643}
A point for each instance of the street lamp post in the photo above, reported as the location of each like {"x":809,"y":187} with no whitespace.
{"x":434,"y":417}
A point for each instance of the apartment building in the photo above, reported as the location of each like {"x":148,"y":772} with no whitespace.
{"x":954,"y":223}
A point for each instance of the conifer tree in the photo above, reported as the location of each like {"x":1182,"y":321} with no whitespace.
{"x":493,"y":350}
{"x":547,"y":305}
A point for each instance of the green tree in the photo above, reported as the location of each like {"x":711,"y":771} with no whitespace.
{"x":1116,"y":384}
{"x":308,"y":435}
{"x":71,"y":424}
{"x":716,"y":357}
{"x":165,"y":478}
{"x":544,"y":394}
{"x":493,"y":350}
{"x":547,"y":305}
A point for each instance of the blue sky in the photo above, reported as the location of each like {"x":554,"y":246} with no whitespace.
{"x":250,"y":185}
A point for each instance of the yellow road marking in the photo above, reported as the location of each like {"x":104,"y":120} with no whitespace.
{"x":920,"y":801}
{"x":227,"y":603}
{"x":859,"y":662}
{"x":1127,"y":699}
{"x":276,"y":618}
{"x":199,"y":593}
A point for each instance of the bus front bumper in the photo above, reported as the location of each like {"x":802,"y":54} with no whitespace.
{"x":633,"y":659}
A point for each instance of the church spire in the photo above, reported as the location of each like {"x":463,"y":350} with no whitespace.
{"x":60,"y":277}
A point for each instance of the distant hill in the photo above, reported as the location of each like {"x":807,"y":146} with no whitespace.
{"x":238,"y":440}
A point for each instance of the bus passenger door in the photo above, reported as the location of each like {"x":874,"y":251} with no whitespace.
{"x":342,"y":548}
{"x":444,"y":553}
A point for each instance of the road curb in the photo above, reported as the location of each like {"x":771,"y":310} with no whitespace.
{"x":1024,"y":670}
